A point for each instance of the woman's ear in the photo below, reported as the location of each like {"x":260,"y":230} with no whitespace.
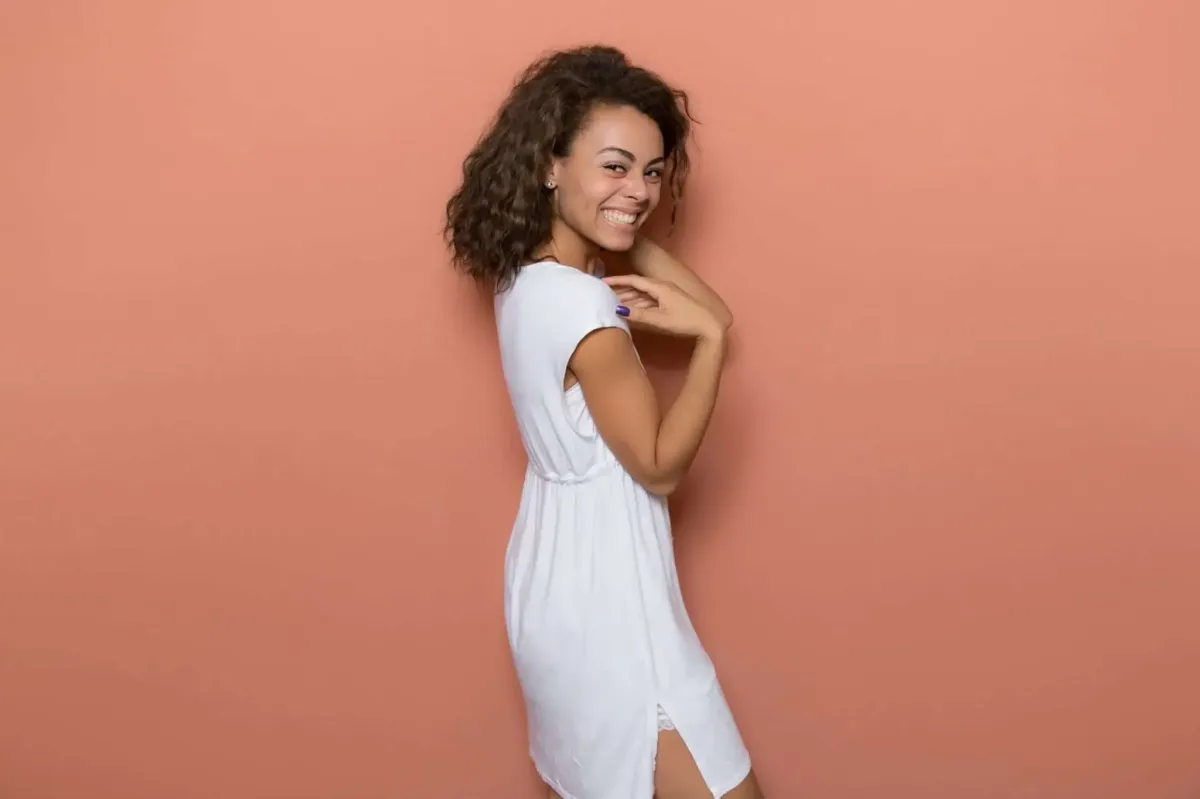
{"x":552,"y":181}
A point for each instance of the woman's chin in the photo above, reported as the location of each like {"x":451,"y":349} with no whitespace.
{"x":616,"y":242}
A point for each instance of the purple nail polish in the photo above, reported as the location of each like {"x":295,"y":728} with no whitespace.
{"x":622,"y":310}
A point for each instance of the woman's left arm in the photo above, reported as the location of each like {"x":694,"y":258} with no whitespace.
{"x":652,"y":261}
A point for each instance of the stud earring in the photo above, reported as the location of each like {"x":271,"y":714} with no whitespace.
{"x":550,"y":184}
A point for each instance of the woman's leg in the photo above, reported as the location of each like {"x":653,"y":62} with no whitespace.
{"x":746,"y":789}
{"x":676,"y":775}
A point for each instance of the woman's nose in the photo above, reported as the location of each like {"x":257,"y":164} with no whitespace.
{"x":636,"y":187}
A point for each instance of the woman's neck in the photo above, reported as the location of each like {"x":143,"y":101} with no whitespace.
{"x":567,"y":248}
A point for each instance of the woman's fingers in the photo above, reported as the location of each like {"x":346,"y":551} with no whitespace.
{"x":642,"y":284}
{"x":671,"y":310}
{"x":633,"y":297}
{"x":644,"y":316}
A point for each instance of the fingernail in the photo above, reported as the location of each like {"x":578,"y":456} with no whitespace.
{"x":622,"y":310}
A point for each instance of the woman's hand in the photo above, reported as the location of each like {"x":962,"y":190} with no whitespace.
{"x":663,"y":307}
{"x":652,"y":261}
{"x":632,"y":298}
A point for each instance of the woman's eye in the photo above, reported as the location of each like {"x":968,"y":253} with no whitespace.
{"x":618,"y":168}
{"x":654,"y":174}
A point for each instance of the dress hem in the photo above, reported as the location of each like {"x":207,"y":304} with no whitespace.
{"x":553,"y":784}
{"x":743,"y":772}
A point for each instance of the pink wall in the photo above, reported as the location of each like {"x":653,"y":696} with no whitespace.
{"x":257,"y":467}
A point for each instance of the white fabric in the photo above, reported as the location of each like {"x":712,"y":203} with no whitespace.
{"x":597,"y":626}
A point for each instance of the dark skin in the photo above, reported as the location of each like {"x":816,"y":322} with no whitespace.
{"x":604,"y":191}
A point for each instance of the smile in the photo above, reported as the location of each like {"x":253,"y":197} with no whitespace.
{"x":620,"y":217}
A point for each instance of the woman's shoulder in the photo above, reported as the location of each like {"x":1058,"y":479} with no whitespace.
{"x":552,"y":305}
{"x":546,"y":281}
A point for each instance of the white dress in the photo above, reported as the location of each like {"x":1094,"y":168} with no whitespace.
{"x":602,"y":644}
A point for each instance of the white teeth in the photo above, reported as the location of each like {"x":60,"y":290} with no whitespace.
{"x":620,"y":218}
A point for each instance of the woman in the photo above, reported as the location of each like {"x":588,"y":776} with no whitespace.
{"x":622,"y":700}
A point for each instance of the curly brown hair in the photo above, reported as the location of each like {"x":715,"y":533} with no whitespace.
{"x":501,"y":213}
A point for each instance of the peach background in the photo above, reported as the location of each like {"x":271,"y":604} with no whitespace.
{"x":257,"y":467}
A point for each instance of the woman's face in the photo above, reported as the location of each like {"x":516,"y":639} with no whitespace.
{"x":611,"y":181}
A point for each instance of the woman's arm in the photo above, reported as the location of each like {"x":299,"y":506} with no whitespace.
{"x":657,"y":449}
{"x":652,"y":261}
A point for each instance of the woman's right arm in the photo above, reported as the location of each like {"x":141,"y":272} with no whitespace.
{"x":656,"y":449}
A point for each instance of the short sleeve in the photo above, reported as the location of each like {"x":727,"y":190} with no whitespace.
{"x":577,"y":304}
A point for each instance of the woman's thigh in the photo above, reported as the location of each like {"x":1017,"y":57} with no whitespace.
{"x":677,"y":777}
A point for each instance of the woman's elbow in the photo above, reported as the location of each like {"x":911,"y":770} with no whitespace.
{"x":724,"y":316}
{"x":656,"y":478}
{"x":661,"y":486}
